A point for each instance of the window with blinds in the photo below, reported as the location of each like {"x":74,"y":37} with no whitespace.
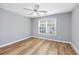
{"x":47,"y":27}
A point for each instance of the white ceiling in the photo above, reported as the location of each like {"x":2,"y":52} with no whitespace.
{"x":52,"y":8}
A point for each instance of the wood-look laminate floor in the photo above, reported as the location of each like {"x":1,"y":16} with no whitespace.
{"x":35,"y":46}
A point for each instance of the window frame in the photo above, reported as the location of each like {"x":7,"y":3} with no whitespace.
{"x":46,"y":27}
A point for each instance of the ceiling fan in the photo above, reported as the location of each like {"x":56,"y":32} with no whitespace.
{"x":35,"y":11}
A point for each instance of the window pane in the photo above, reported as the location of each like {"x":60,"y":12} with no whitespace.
{"x":43,"y":31}
{"x":42,"y":26}
{"x":51,"y":26}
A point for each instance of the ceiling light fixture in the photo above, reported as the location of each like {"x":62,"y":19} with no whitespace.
{"x":35,"y":11}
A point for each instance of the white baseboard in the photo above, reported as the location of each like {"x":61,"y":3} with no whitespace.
{"x":51,"y":39}
{"x":40,"y":38}
{"x":59,"y":41}
{"x":14,"y":42}
{"x":30,"y":37}
{"x":74,"y":47}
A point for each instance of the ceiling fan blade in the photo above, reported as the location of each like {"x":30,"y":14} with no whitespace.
{"x":28,"y":9}
{"x":43,"y":11}
{"x":30,"y":13}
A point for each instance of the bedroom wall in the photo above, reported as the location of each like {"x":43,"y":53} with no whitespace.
{"x":75,"y":27}
{"x":13,"y":27}
{"x":63,"y":26}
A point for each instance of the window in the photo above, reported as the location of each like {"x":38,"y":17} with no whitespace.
{"x":47,"y":27}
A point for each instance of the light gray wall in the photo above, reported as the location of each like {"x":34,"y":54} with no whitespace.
{"x":63,"y":26}
{"x":13,"y":27}
{"x":75,"y":26}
